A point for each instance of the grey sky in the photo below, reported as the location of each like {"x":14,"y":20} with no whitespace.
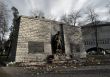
{"x":55,"y":8}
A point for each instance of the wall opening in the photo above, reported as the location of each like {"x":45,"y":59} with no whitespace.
{"x":55,"y":39}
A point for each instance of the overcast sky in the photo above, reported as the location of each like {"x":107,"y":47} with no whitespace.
{"x":57,"y":8}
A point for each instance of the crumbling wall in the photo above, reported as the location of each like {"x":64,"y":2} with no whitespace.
{"x":34,"y":40}
{"x":73,"y":41}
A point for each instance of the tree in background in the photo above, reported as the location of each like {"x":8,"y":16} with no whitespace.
{"x":65,"y":19}
{"x":108,"y":9}
{"x":12,"y":37}
{"x":3,"y":21}
{"x":37,"y":13}
{"x":92,"y":17}
{"x":3,"y":25}
{"x":72,"y":18}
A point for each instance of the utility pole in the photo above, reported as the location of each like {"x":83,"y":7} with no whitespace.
{"x":96,"y":36}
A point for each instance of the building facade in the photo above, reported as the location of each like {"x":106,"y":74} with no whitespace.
{"x":34,"y":39}
{"x":96,"y":36}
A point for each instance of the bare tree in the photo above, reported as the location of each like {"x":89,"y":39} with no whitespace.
{"x":3,"y":26}
{"x":108,"y":9}
{"x":37,"y":13}
{"x":72,"y":18}
{"x":3,"y":21}
{"x":92,"y":17}
{"x":65,"y":19}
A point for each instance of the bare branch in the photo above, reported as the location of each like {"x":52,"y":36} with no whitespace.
{"x":3,"y":21}
{"x":65,"y":19}
{"x":71,"y":18}
{"x":37,"y":13}
{"x":92,"y":16}
{"x":108,"y":9}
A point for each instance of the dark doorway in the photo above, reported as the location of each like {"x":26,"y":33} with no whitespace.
{"x":57,"y":41}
